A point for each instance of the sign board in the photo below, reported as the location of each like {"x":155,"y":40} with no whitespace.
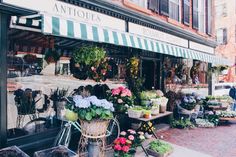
{"x":157,"y":35}
{"x":203,"y":48}
{"x":69,"y":11}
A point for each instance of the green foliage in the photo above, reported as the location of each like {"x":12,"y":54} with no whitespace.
{"x":148,"y":95}
{"x":89,"y":55}
{"x":160,"y":147}
{"x":213,"y":119}
{"x":182,"y":123}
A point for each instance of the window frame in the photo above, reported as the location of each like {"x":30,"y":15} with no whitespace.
{"x":195,"y":9}
{"x":179,"y":10}
{"x":183,"y":12}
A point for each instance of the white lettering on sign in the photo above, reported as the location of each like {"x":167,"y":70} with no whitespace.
{"x":158,"y":35}
{"x":70,"y":11}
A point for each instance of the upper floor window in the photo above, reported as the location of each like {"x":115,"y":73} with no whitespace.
{"x":186,"y":11}
{"x":141,"y":3}
{"x":201,"y":16}
{"x":209,"y":16}
{"x":195,"y":14}
{"x":164,"y":7}
{"x":221,"y":36}
{"x":221,"y":10}
{"x":174,"y":9}
{"x":154,"y":5}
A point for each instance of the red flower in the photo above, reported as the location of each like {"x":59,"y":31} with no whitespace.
{"x":117,"y":141}
{"x":117,"y":147}
{"x":125,"y":149}
{"x":122,"y":140}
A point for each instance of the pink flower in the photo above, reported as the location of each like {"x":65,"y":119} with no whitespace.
{"x":117,"y":141}
{"x":131,"y":137}
{"x":122,"y":140}
{"x":123,"y":133}
{"x":117,"y":147}
{"x":92,"y":68}
{"x":120,"y":101}
{"x":121,"y":88}
{"x":125,"y":92}
{"x":131,"y":131}
{"x":125,"y":149}
{"x":115,"y":91}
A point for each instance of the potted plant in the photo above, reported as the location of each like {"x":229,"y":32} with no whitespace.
{"x":59,"y":151}
{"x":122,"y":99}
{"x":12,"y":151}
{"x":146,"y":97}
{"x":163,"y":106}
{"x":159,"y":149}
{"x":126,"y":144}
{"x":58,"y":98}
{"x":135,"y":112}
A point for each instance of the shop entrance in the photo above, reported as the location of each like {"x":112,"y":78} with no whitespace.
{"x":150,"y":73}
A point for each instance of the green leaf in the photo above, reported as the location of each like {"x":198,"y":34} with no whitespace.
{"x":98,"y":111}
{"x":88,"y":116}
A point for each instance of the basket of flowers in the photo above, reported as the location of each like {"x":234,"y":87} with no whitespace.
{"x":135,"y":112}
{"x":126,"y":144}
{"x":122,"y":99}
{"x":93,"y":113}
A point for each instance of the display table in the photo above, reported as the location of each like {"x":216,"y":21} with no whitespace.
{"x":144,"y":121}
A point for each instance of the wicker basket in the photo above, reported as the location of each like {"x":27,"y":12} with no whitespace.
{"x":135,"y":113}
{"x":94,"y":128}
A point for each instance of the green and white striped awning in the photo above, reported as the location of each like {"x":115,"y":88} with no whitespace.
{"x":57,"y":26}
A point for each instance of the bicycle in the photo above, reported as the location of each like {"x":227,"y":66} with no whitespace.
{"x":64,"y":135}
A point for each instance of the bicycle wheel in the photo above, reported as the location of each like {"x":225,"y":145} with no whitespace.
{"x":114,"y":129}
{"x":64,"y":136}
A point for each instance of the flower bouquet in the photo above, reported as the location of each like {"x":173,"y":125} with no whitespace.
{"x":122,"y":99}
{"x":126,"y":144}
{"x":94,"y":114}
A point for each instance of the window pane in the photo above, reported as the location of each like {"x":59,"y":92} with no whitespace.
{"x":153,"y":5}
{"x":209,"y":16}
{"x":201,"y":13}
{"x":174,"y":9}
{"x":195,"y":14}
{"x":164,"y":6}
{"x":186,"y":11}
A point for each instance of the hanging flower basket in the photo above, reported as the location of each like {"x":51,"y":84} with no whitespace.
{"x":94,"y":128}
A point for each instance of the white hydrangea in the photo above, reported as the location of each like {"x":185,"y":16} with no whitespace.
{"x":86,"y":102}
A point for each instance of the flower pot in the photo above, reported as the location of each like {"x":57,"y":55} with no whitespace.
{"x":163,"y":108}
{"x":145,"y":102}
{"x":135,"y":113}
{"x":157,"y":154}
{"x":60,"y":109}
{"x":12,"y":151}
{"x":71,"y":115}
{"x":93,"y":149}
{"x":155,"y":111}
{"x":94,"y":128}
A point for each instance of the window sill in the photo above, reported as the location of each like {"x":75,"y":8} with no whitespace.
{"x":136,"y":7}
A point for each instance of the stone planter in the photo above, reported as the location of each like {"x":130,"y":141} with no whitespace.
{"x":12,"y":151}
{"x":55,"y":152}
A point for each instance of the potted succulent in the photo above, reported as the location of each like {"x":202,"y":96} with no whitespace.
{"x":159,"y":149}
{"x":12,"y":151}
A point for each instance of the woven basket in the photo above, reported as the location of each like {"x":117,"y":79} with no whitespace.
{"x":94,"y":128}
{"x":135,"y":113}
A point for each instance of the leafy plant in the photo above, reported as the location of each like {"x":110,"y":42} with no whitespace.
{"x":90,"y":108}
{"x":148,"y":95}
{"x":160,"y":147}
{"x":58,"y":94}
{"x":182,"y":123}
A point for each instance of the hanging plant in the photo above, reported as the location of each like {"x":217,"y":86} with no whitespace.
{"x":91,"y":62}
{"x":218,"y":69}
{"x":52,"y":56}
{"x":30,"y":59}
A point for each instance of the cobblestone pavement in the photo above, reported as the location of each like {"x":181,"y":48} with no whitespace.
{"x":218,"y":142}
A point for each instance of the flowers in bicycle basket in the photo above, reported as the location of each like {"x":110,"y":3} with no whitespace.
{"x":126,"y":144}
{"x":90,"y":108}
{"x":121,"y":97}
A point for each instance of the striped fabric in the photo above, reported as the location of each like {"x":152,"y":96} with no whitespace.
{"x":52,"y":25}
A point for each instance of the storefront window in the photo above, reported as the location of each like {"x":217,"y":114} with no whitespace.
{"x":185,"y":73}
